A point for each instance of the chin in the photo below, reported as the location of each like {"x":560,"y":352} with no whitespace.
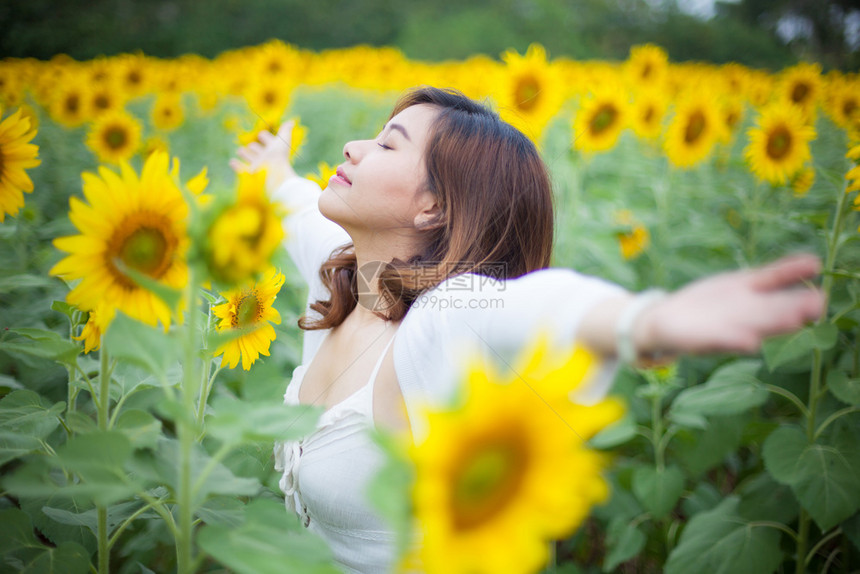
{"x":333,"y":207}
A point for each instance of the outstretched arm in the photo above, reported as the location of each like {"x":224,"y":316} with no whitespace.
{"x":727,"y":312}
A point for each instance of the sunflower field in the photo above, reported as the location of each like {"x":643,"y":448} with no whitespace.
{"x":148,"y":318}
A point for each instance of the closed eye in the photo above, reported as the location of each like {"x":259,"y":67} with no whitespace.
{"x":383,"y":146}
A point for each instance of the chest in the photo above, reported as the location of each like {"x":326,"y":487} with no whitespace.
{"x":348,"y":361}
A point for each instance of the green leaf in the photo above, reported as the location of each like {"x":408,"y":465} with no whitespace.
{"x":719,"y":541}
{"x":623,"y":541}
{"x":266,"y":543}
{"x":700,"y":450}
{"x":44,"y":344}
{"x":25,"y":281}
{"x":18,"y":542}
{"x":116,"y":514}
{"x":236,"y":421}
{"x":14,"y":446}
{"x":141,"y":345}
{"x":99,"y":459}
{"x":141,"y":428}
{"x":704,"y":497}
{"x":762,"y":498}
{"x":25,"y":412}
{"x":785,"y":348}
{"x":843,"y":388}
{"x":64,"y":308}
{"x":10,"y":383}
{"x":616,"y":433}
{"x":224,"y":510}
{"x":851,"y":528}
{"x":658,"y":490}
{"x":822,"y":476}
{"x":732,"y":389}
{"x":55,"y":531}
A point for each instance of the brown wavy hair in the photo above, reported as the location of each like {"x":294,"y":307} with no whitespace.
{"x":496,"y":216}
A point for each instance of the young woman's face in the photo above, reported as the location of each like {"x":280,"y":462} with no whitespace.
{"x":381,"y":185}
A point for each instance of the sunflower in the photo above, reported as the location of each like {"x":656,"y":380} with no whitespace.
{"x":97,"y":323}
{"x":802,"y":181}
{"x":104,"y":98}
{"x":249,"y":308}
{"x":732,"y":110}
{"x":600,"y":120}
{"x":69,"y":105}
{"x":507,"y":471}
{"x":843,"y":101}
{"x":114,"y":137}
{"x":244,"y":237}
{"x":853,"y":177}
{"x":646,"y":113}
{"x":139,"y":223}
{"x":16,"y":156}
{"x":802,"y":85}
{"x":268,"y":98}
{"x":322,"y":175}
{"x":647,"y":66}
{"x":779,"y":145}
{"x":633,"y":237}
{"x":693,"y":131}
{"x":134,"y":74}
{"x":298,"y":137}
{"x":168,"y":113}
{"x":530,"y":93}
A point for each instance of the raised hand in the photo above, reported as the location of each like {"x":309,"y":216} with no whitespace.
{"x":271,"y":152}
{"x":733,"y":311}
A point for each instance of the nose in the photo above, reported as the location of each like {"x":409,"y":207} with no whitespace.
{"x":354,"y":150}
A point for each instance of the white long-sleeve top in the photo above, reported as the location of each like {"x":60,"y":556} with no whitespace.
{"x":460,"y":317}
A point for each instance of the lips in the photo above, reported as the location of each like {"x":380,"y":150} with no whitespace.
{"x":340,"y":177}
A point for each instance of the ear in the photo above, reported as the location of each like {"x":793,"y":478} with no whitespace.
{"x":431,"y":216}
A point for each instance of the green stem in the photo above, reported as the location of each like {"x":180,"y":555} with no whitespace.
{"x":790,"y":396}
{"x":104,"y":424}
{"x":207,"y":371}
{"x":777,"y":525}
{"x":219,"y":455}
{"x":126,"y":522}
{"x":824,"y":540}
{"x":657,"y":431}
{"x":833,"y":417}
{"x":187,"y":431}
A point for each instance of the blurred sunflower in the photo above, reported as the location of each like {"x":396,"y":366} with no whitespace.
{"x":69,"y":105}
{"x":647,"y":112}
{"x":600,"y":119}
{"x":779,"y":144}
{"x":802,"y":85}
{"x":134,"y":72}
{"x":322,"y":175}
{"x":268,"y":98}
{"x":693,"y":131}
{"x":633,"y":237}
{"x":114,"y":136}
{"x":530,"y":93}
{"x":139,"y":223}
{"x":249,"y":308}
{"x":16,"y":156}
{"x":500,"y":476}
{"x":802,"y":181}
{"x":647,"y":66}
{"x":104,"y":98}
{"x":732,"y":110}
{"x":244,"y":237}
{"x":167,"y":112}
{"x":843,"y":100}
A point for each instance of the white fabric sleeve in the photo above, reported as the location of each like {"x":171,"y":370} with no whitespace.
{"x":498,"y":320}
{"x":309,"y":239}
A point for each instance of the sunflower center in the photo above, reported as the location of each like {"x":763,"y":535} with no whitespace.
{"x":73,"y":103}
{"x":779,"y":143}
{"x":646,"y":71}
{"x":648,"y":114}
{"x":144,"y":242}
{"x":269,"y":97}
{"x":134,"y":77}
{"x":695,"y":127}
{"x":800,"y":92}
{"x":527,"y":92}
{"x":485,"y":483}
{"x":603,"y":119}
{"x":732,"y":118}
{"x":115,"y":137}
{"x":849,"y":107}
{"x":248,"y":310}
{"x":101,"y":102}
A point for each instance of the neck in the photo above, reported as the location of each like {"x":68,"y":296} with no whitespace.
{"x":372,"y":255}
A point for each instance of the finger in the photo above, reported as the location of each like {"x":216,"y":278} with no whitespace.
{"x":255,"y":148}
{"x":246,"y":154}
{"x":785,"y":272}
{"x":238,"y":166}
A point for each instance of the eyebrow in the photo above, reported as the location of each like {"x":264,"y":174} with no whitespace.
{"x":401,"y":129}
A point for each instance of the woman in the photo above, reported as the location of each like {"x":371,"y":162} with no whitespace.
{"x":431,"y":243}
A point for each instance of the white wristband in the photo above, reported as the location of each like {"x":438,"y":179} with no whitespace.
{"x":625,"y":347}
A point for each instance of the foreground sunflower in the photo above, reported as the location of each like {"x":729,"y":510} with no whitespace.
{"x":244,"y":237}
{"x":16,"y":156}
{"x":694,"y":130}
{"x":779,"y":145}
{"x":128,"y":222}
{"x":322,"y":175}
{"x":249,"y":308}
{"x":508,"y":471}
{"x":114,"y":136}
